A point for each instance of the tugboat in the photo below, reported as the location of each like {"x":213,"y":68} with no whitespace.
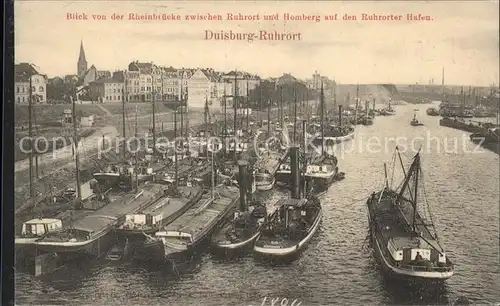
{"x":415,"y":122}
{"x":292,"y":226}
{"x":431,"y":111}
{"x":388,"y":111}
{"x":241,"y":231}
{"x":405,"y":243}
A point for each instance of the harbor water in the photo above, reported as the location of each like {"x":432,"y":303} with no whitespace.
{"x":461,"y":184}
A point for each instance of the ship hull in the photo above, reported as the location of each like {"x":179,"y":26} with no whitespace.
{"x":154,"y":251}
{"x":323,"y":182}
{"x":265,"y":186}
{"x":237,"y":246}
{"x":395,"y":273}
{"x":283,"y":176}
{"x":455,"y":124}
{"x":334,"y":140}
{"x":95,"y":247}
{"x":268,"y":252}
{"x":25,"y":252}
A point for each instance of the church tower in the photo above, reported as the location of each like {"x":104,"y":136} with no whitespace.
{"x":82,"y":62}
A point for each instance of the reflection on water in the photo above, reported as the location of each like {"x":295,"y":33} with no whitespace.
{"x":337,"y":267}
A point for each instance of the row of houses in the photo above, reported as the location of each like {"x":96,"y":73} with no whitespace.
{"x":147,"y":82}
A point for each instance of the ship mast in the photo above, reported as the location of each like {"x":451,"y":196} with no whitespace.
{"x":213,"y":175}
{"x":322,"y":101}
{"x":175,"y":148}
{"x":269,"y":118}
{"x":153,"y":92}
{"x":182,"y":105}
{"x":334,"y":96}
{"x":260,"y":103}
{"x":136,"y":170}
{"x":417,"y":171}
{"x":206,"y":122}
{"x":294,"y":112}
{"x":77,"y":161}
{"x":30,"y":134}
{"x":281,"y":106}
{"x":357,"y":105}
{"x":235,"y":107}
{"x":225,"y":114}
{"x":124,"y":98}
{"x":247,"y":110}
{"x":442,"y":86}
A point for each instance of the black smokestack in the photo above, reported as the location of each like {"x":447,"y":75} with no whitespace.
{"x":340,"y":115}
{"x":295,"y":172}
{"x":243,"y":184}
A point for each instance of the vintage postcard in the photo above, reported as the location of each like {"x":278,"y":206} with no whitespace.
{"x":256,"y":153}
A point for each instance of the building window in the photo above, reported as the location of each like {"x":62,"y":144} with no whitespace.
{"x":142,"y":88}
{"x":40,"y":88}
{"x":33,"y":89}
{"x":19,"y":100}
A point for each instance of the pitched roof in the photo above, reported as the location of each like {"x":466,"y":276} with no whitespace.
{"x":210,"y":74}
{"x":169,"y":69}
{"x":119,"y":76}
{"x":145,"y":68}
{"x":114,"y":79}
{"x":23,"y":71}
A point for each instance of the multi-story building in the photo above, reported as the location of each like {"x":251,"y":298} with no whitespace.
{"x":183,"y":76}
{"x":132,"y":86}
{"x":92,"y":74}
{"x":202,"y":86}
{"x":107,"y":90}
{"x":170,"y":84}
{"x":23,"y":73}
{"x":244,"y":82}
{"x":145,"y":71}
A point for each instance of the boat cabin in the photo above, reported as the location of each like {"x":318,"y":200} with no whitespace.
{"x":181,"y":236}
{"x":285,"y":168}
{"x":143,"y":169}
{"x":415,"y":250}
{"x":214,"y":147}
{"x":150,"y":217}
{"x":40,"y":227}
{"x":241,"y":147}
{"x":319,"y":169}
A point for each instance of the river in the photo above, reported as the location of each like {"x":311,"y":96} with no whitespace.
{"x":462,"y":189}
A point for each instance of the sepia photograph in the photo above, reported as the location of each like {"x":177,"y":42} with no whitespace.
{"x":256,"y":153}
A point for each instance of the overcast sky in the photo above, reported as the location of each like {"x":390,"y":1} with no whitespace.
{"x":463,"y":38}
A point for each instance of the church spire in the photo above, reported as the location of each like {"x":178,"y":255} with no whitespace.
{"x":82,"y":61}
{"x":82,"y":53}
